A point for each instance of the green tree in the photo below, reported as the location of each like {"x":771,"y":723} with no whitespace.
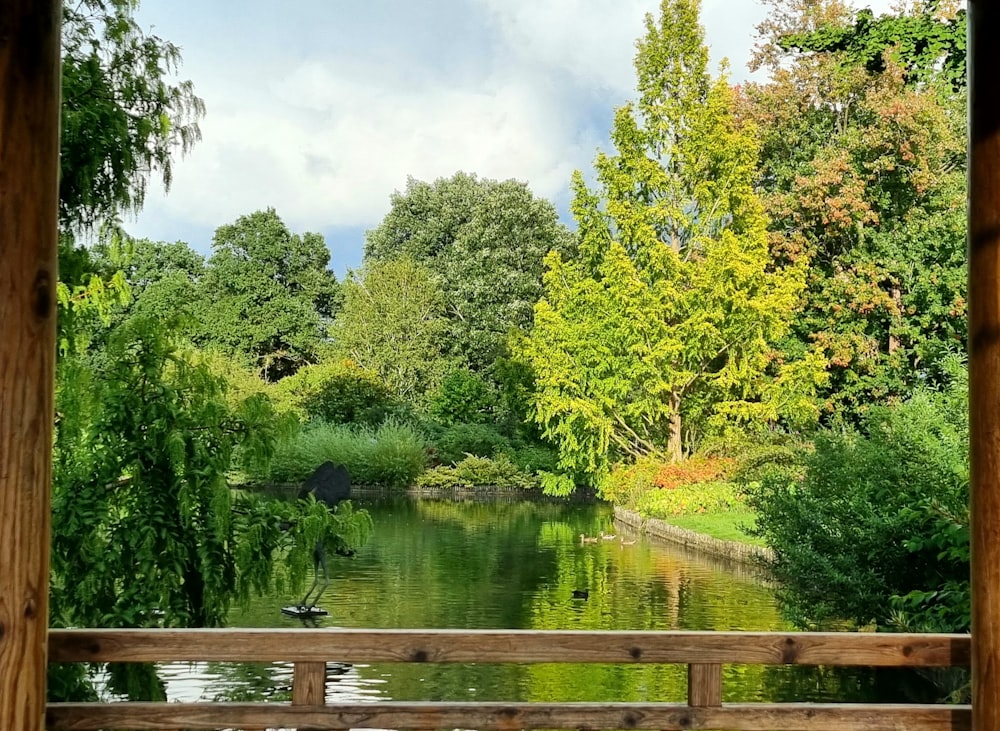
{"x":268,"y":294}
{"x":123,"y":117}
{"x":145,"y":529}
{"x":484,"y":241}
{"x":863,"y":176}
{"x":670,"y":303}
{"x":392,"y":324}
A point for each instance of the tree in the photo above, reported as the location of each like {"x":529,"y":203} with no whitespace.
{"x":484,"y":241}
{"x":863,"y":176}
{"x":267,"y":293}
{"x":145,"y":530}
{"x":392,"y":324}
{"x":122,"y":118}
{"x":670,"y":302}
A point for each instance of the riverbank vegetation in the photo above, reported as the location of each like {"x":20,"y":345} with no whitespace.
{"x":752,"y":327}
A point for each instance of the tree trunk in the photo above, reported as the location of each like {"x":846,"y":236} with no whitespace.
{"x":675,"y":441}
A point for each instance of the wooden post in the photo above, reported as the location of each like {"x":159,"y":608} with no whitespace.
{"x":704,"y":685}
{"x":29,"y":158}
{"x":984,"y":358}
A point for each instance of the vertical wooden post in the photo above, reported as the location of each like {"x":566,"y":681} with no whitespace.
{"x":29,"y":159}
{"x":309,"y":685}
{"x":704,"y":685}
{"x":984,"y":358}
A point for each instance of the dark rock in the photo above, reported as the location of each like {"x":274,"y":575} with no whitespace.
{"x":329,"y":484}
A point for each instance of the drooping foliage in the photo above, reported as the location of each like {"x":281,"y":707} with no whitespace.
{"x":124,"y":117}
{"x":671,"y":306}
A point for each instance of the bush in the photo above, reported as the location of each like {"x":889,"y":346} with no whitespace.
{"x":391,"y":455}
{"x":455,"y":442}
{"x":534,"y":458}
{"x":338,"y":392}
{"x":479,"y":472}
{"x":703,"y":497}
{"x":463,"y":397}
{"x":878,"y":514}
{"x":654,"y":473}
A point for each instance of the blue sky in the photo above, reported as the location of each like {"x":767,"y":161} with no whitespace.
{"x":322,"y":108}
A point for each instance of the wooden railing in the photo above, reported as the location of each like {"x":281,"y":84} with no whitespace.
{"x":703,"y":652}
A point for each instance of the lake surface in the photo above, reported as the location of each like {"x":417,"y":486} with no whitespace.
{"x":515,"y":564}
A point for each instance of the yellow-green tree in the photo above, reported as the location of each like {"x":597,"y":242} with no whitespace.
{"x":670,"y":309}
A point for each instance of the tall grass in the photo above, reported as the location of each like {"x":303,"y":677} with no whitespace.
{"x":391,"y":455}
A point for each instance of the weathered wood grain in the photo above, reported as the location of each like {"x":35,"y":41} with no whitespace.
{"x":29,"y":158}
{"x":984,"y":358}
{"x":737,"y":717}
{"x":704,"y":685}
{"x":521,"y":646}
{"x":309,"y":684}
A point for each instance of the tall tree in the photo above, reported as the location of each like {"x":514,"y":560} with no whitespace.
{"x":862,"y":173}
{"x":670,"y":304}
{"x":392,"y":324}
{"x":484,"y":241}
{"x":267,"y":293}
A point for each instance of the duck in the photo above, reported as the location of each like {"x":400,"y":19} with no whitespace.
{"x":627,"y":543}
{"x":588,"y":539}
{"x":581,"y":593}
{"x":607,"y":536}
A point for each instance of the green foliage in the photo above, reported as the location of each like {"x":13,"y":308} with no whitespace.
{"x":673,"y":305}
{"x":337,"y":392}
{"x":391,"y":454}
{"x":123,"y":116}
{"x":878,"y":514}
{"x":463,"y":397}
{"x":475,"y":471}
{"x":927,"y":43}
{"x":862,"y":171}
{"x":454,"y":442}
{"x":534,"y":458}
{"x":267,"y":293}
{"x":484,"y":241}
{"x":145,"y":532}
{"x":693,"y":499}
{"x":392,"y":324}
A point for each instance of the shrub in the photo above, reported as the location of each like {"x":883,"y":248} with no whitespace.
{"x":703,"y":497}
{"x":338,"y":392}
{"x":463,"y":397}
{"x":457,"y":441}
{"x":478,"y":472}
{"x":534,"y":458}
{"x":627,"y":485}
{"x":391,"y":455}
{"x":878,"y":514}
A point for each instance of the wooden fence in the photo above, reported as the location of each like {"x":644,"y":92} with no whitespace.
{"x":704,"y":653}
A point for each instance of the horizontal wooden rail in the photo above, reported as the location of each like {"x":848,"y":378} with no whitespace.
{"x":388,"y":715}
{"x":703,"y":652}
{"x":509,"y":646}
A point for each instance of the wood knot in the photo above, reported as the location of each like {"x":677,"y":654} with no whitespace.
{"x":419,"y":656}
{"x":907,"y":650}
{"x":630,"y":720}
{"x":30,"y":609}
{"x":790,"y":651}
{"x":635,"y":653}
{"x":42,"y":292}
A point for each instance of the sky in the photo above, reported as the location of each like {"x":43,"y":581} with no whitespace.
{"x":321,"y":109}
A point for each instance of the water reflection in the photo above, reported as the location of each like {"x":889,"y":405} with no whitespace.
{"x":520,"y":564}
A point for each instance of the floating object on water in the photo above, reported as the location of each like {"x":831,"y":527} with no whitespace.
{"x":588,"y":539}
{"x":304,"y":612}
{"x":628,"y":543}
{"x":581,"y":593}
{"x":607,"y":536}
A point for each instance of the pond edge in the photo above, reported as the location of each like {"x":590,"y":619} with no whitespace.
{"x":728,"y":550}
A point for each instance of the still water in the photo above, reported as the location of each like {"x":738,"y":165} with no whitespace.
{"x":515,"y":564}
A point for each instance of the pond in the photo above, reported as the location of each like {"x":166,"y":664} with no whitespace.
{"x":519,"y":564}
